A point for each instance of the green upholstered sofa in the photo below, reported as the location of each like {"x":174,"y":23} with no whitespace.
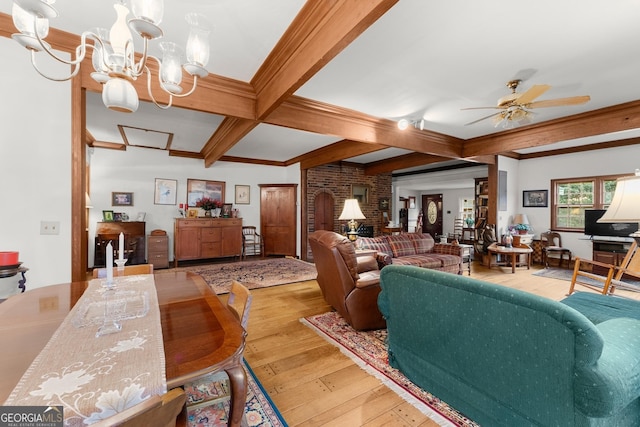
{"x":504,"y":357}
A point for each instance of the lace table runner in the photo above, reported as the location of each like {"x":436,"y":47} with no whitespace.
{"x":94,"y":377}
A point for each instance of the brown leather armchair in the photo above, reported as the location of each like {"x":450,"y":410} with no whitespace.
{"x":350,"y":284}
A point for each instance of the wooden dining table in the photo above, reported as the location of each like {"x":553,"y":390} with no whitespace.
{"x":200,"y":334}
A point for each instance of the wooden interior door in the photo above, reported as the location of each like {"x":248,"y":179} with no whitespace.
{"x":323,"y":212}
{"x":432,"y":214}
{"x":278,"y":222}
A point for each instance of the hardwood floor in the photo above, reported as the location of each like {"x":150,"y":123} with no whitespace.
{"x":313,"y":384}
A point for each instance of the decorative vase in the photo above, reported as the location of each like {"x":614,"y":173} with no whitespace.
{"x":207,"y":213}
{"x":522,"y":231}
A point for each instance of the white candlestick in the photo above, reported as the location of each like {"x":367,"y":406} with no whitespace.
{"x":109,"y":263}
{"x":121,"y":247}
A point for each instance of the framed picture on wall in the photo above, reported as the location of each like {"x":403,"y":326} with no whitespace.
{"x":119,"y":198}
{"x":243,"y":193}
{"x":535,"y":198}
{"x":360,"y":193}
{"x":200,"y":188}
{"x":165,"y":192}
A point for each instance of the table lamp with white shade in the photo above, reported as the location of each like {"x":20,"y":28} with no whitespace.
{"x":352,"y":212}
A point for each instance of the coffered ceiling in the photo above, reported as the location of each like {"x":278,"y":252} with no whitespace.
{"x":321,"y":81}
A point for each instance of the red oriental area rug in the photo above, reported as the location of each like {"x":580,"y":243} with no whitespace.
{"x":253,"y":274}
{"x":368,"y":349}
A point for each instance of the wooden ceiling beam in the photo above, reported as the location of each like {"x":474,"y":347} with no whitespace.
{"x":402,"y":162}
{"x":313,"y":116}
{"x":230,"y":131}
{"x":597,"y":122}
{"x":318,"y":33}
{"x":335,"y":152}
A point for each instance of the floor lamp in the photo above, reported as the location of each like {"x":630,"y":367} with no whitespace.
{"x":625,"y":206}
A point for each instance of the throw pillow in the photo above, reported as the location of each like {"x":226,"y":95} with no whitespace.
{"x":401,"y":245}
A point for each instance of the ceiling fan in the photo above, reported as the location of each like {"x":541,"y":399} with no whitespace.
{"x":515,"y":106}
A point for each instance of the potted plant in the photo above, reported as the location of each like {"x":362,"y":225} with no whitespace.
{"x":208,"y":204}
{"x":522,"y":228}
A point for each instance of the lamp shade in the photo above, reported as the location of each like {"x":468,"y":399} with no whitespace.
{"x":351,"y":210}
{"x":520,"y":219}
{"x":625,"y":206}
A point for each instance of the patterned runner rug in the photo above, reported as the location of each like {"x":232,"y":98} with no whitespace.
{"x":259,"y":410}
{"x":253,"y":274}
{"x":368,"y":350}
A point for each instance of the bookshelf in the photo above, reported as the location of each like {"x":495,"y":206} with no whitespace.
{"x":481,"y":202}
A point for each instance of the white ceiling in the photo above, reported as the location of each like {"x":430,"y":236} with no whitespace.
{"x":422,"y":59}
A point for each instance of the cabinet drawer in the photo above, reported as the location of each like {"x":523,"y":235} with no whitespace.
{"x":211,"y":250}
{"x":210,"y":235}
{"x":157,"y":241}
{"x":159,"y":260}
{"x":227,"y":222}
{"x":186,"y":223}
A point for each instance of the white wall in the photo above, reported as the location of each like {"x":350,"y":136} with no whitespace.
{"x":136,"y":169}
{"x":514,"y":195}
{"x":536,"y":174}
{"x":35,"y":168}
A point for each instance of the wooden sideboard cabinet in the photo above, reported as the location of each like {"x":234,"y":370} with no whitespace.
{"x":202,"y":238}
{"x":158,"y":251}
{"x":134,"y":241}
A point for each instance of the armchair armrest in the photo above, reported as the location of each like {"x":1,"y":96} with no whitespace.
{"x":608,"y":386}
{"x":383,"y":259}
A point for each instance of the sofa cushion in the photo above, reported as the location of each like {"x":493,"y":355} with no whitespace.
{"x":375,"y":243}
{"x":422,"y":260}
{"x":401,"y":245}
{"x":423,"y":243}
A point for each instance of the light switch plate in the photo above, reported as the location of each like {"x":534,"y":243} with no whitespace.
{"x":49,"y":227}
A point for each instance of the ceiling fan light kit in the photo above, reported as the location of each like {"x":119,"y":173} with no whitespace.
{"x":113,"y":55}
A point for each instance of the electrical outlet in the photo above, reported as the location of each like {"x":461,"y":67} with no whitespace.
{"x":49,"y":227}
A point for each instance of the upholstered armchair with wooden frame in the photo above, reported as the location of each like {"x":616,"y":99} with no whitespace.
{"x":615,"y":275}
{"x":350,"y":284}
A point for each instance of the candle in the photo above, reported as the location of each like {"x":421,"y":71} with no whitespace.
{"x":109,"y":263}
{"x":121,"y":246}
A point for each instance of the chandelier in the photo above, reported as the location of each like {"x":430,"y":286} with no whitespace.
{"x":114,"y":56}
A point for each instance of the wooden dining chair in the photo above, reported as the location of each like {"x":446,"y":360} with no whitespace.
{"x":251,"y":241}
{"x":213,"y":389}
{"x":167,"y":410}
{"x":552,"y":247}
{"x":129,"y":270}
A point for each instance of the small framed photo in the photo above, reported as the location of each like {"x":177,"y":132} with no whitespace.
{"x":192,"y":213}
{"x":119,"y":198}
{"x":226,"y":210}
{"x":535,"y":198}
{"x":117,"y":216}
{"x":243,"y":194}
{"x":107,"y":216}
{"x":165,"y":192}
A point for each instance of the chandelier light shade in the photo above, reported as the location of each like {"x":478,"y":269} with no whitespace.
{"x":113,"y":53}
{"x":351,"y":212}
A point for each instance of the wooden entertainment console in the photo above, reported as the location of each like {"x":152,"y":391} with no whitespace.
{"x":202,"y":238}
{"x":609,"y":252}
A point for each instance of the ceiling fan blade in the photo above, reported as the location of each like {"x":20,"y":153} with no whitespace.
{"x":532,"y":93}
{"x":558,"y":102}
{"x":482,"y":108}
{"x":483,"y":118}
